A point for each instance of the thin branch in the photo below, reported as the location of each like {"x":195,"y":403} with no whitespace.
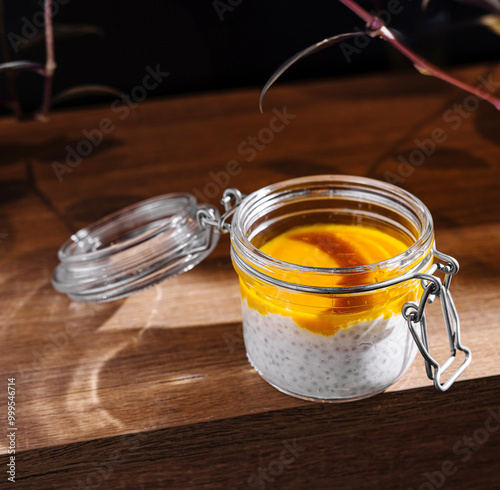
{"x":50,"y":63}
{"x":359,"y":11}
{"x":376,"y":27}
{"x":428,"y":68}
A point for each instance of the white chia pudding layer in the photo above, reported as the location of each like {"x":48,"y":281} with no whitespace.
{"x":356,"y":362}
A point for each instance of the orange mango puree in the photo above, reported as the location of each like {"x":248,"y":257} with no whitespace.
{"x":330,"y":246}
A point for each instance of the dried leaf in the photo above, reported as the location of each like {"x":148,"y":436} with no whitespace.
{"x":85,"y":91}
{"x":22,"y":65}
{"x":491,"y":21}
{"x":330,"y":41}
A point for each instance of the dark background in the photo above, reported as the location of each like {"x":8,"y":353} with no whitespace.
{"x":201,"y":52}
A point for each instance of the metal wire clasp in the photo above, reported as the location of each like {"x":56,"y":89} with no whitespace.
{"x":231,"y":199}
{"x":415,"y":314}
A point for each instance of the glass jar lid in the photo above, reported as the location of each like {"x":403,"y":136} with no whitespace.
{"x":135,"y":248}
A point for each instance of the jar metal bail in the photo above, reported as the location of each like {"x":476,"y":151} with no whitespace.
{"x":231,"y":199}
{"x":415,"y":315}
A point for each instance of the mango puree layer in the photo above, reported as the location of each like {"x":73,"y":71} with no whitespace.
{"x":331,"y":246}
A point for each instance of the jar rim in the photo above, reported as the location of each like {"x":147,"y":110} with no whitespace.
{"x":243,"y":245}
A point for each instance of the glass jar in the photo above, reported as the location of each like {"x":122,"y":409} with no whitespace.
{"x":320,"y":334}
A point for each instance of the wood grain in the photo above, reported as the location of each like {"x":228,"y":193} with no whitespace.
{"x":155,"y":391}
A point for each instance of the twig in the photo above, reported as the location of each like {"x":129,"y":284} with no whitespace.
{"x":376,"y":27}
{"x":50,"y":63}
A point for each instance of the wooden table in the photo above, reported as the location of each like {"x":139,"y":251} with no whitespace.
{"x":155,"y":391}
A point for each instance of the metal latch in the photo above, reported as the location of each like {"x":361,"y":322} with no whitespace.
{"x":415,"y":315}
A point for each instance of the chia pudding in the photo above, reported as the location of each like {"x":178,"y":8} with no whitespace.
{"x":355,"y":362}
